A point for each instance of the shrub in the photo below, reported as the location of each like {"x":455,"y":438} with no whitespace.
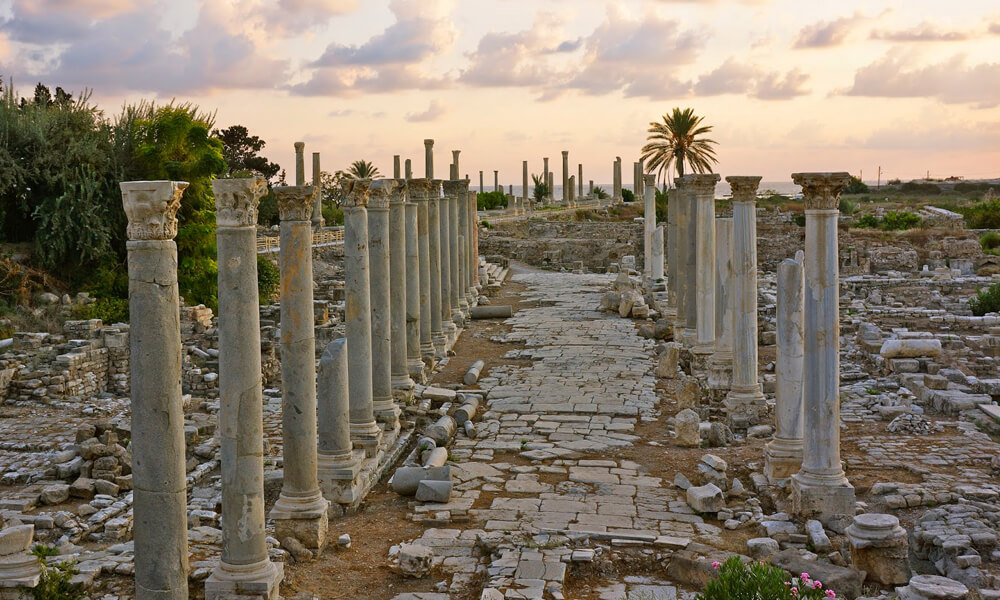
{"x":109,"y":310}
{"x":491,"y":200}
{"x":333,"y":215}
{"x":55,"y":580}
{"x":627,"y":195}
{"x":799,"y":220}
{"x":900,"y":220}
{"x":867,"y":222}
{"x":982,"y":215}
{"x":268,"y":280}
{"x":927,"y":189}
{"x":856,"y":186}
{"x":760,"y":581}
{"x":847,"y":207}
{"x":662,"y":197}
{"x":267,"y":212}
{"x":485,"y":224}
{"x":986,"y":301}
{"x":600,"y":194}
{"x":585,"y":214}
{"x":990,"y":242}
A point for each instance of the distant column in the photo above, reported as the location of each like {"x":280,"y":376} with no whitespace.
{"x":636,"y":182}
{"x":395,"y":167}
{"x":821,"y":489}
{"x":642,"y":182}
{"x":783,"y":454}
{"x":358,"y":309}
{"x":300,"y":511}
{"x":409,"y":169}
{"x":420,"y":191}
{"x":444,"y":236}
{"x":656,"y":274}
{"x":454,"y":160}
{"x":524,"y":183}
{"x":565,"y":174}
{"x":160,"y":496}
{"x":244,"y":563}
{"x":746,"y":396}
{"x":673,"y":247}
{"x":618,"y":179}
{"x":399,"y":292}
{"x":704,"y":191}
{"x":434,"y":241}
{"x":552,"y":185}
{"x":429,"y":159}
{"x":317,"y":215}
{"x":300,"y":163}
{"x":457,"y":317}
{"x":463,"y":258}
{"x":496,"y":181}
{"x":649,"y":224}
{"x":414,"y":365}
{"x":385,"y":409}
{"x":720,"y":365}
{"x":579,"y":181}
{"x":470,"y":254}
{"x":481,"y":188}
{"x":571,"y":189}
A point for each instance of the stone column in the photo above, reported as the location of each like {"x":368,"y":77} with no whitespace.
{"x":409,"y":169}
{"x":642,"y":182}
{"x":422,"y":189}
{"x":746,"y":396}
{"x":552,"y":185}
{"x":475,"y":253}
{"x":338,"y":463}
{"x":618,"y":179}
{"x":300,"y":163}
{"x":783,"y":454}
{"x":414,"y":365}
{"x":463,"y":244}
{"x":821,"y":489}
{"x":682,"y":197}
{"x":656,"y":274}
{"x":454,"y":160}
{"x":300,"y":511}
{"x":365,"y":431}
{"x":481,"y":189}
{"x":720,"y":365}
{"x":649,"y":224}
{"x":704,"y":192}
{"x":160,"y":493}
{"x":471,"y":257}
{"x":444,"y":237}
{"x":524,"y":185}
{"x":571,"y":189}
{"x":395,"y":167}
{"x":579,"y":181}
{"x":429,"y":159}
{"x":434,"y":244}
{"x":636,"y":182}
{"x":244,"y":567}
{"x":545,"y":176}
{"x":401,"y":382}
{"x":457,"y":295}
{"x":673,"y":273}
{"x":317,"y":215}
{"x":496,"y":181}
{"x":565,"y":174}
{"x":386,"y":411}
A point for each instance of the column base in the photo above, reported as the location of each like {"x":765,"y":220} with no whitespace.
{"x":367,"y":437}
{"x":720,"y":371}
{"x":458,"y":317}
{"x":415,"y":367}
{"x":822,"y":497}
{"x":402,"y":387}
{"x":20,"y":571}
{"x":303,"y":518}
{"x":700,"y":354}
{"x":463,"y":307}
{"x":440,"y":341}
{"x":744,"y":406}
{"x":782,"y":459}
{"x":689,"y":337}
{"x":245,"y":582}
{"x":386,"y":412}
{"x":335,"y":472}
{"x":427,"y":354}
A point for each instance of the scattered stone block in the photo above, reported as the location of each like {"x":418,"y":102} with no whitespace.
{"x":706,"y":498}
{"x":762,"y":548}
{"x":430,"y":490}
{"x":415,"y":560}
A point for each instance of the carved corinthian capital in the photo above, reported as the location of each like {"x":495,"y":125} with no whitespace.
{"x":398,"y":193}
{"x":295,"y":202}
{"x":418,"y":189}
{"x":702,"y":183}
{"x":380,"y":191}
{"x":151,"y":208}
{"x":744,"y":187}
{"x":356,"y":192}
{"x":452,"y":188}
{"x":236,"y":201}
{"x":821,"y":191}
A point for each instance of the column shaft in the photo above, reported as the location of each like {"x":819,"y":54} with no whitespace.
{"x":422,"y":188}
{"x":720,"y":373}
{"x":565,"y":175}
{"x":704,"y":189}
{"x":317,"y":215}
{"x":383,"y":405}
{"x":783,"y":455}
{"x":429,"y":159}
{"x":398,"y":289}
{"x":338,"y":464}
{"x":745,"y":378}
{"x":415,"y":366}
{"x":457,"y":316}
{"x":648,"y":224}
{"x":434,"y":242}
{"x":444,"y":238}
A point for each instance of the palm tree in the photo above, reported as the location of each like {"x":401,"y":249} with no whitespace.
{"x":541,"y":190}
{"x":362,"y":169}
{"x":678,"y":139}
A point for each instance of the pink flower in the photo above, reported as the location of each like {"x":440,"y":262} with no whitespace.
{"x":830,"y":594}
{"x":804,"y":575}
{"x":795,"y":591}
{"x":716,"y":565}
{"x":817,"y":584}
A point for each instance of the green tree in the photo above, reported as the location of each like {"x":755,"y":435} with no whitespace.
{"x":679,"y":140}
{"x":541,"y":189}
{"x":241,"y":152}
{"x":362,"y":169}
{"x":856,"y":186}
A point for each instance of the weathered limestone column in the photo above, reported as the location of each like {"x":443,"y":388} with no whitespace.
{"x":160,"y":490}
{"x":457,"y":296}
{"x":386,"y":411}
{"x":642,"y":182}
{"x":338,"y":463}
{"x":429,"y":159}
{"x":300,"y":163}
{"x":783,"y":454}
{"x":409,"y":169}
{"x":579,"y":181}
{"x":821,"y":489}
{"x":571,"y":189}
{"x":414,"y":365}
{"x":434,"y":249}
{"x":463,"y":242}
{"x":565,"y":176}
{"x":477,"y":284}
{"x":395,"y":167}
{"x":703,"y":185}
{"x":471,"y":256}
{"x":673,"y":273}
{"x":300,"y":511}
{"x":618,"y":179}
{"x":420,"y":191}
{"x":546,"y":176}
{"x":481,"y":190}
{"x":454,"y":161}
{"x":444,"y":236}
{"x":880,"y":548}
{"x":657,"y":270}
{"x":682,"y":245}
{"x":244,"y":567}
{"x":496,"y":181}
{"x":401,"y":382}
{"x":524,"y":185}
{"x":365,"y":431}
{"x":745,"y":397}
{"x":636,"y":182}
{"x":552,"y":185}
{"x":720,"y":365}
{"x":317,"y":215}
{"x":648,"y":224}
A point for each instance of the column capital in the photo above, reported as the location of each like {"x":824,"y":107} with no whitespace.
{"x":428,"y":143}
{"x":649,"y":180}
{"x":744,"y":187}
{"x":455,"y":153}
{"x":434,"y":193}
{"x":300,"y":146}
{"x":236,"y":201}
{"x":417,"y":189}
{"x":398,"y":193}
{"x":151,"y":208}
{"x":295,"y":202}
{"x":379,"y":194}
{"x":463,"y":185}
{"x":356,"y":192}
{"x":821,"y":191}
{"x":452,"y":188}
{"x":703,"y":183}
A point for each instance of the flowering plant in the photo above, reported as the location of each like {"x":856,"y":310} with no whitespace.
{"x":736,"y":580}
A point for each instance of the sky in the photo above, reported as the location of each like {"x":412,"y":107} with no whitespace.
{"x":911,"y":86}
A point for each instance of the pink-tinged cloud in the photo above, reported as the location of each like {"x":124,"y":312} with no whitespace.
{"x":826,"y":34}
{"x":54,"y":21}
{"x":952,"y":82}
{"x":735,"y":77}
{"x":925,"y":32}
{"x":519,"y":59}
{"x":434,"y":112}
{"x":995,"y":28}
{"x":292,"y":17}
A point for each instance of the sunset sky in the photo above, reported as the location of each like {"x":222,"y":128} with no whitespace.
{"x":789,"y":85}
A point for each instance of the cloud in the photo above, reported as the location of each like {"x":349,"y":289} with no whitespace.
{"x":292,"y":17}
{"x":925,"y":32}
{"x":518,"y":59}
{"x":951,"y":82}
{"x":49,"y":21}
{"x":433,"y":113}
{"x":392,"y":60}
{"x":825,"y":34}
{"x":113,"y":58}
{"x":984,"y":136}
{"x":772,"y":86}
{"x":734,"y":77}
{"x":995,"y":28}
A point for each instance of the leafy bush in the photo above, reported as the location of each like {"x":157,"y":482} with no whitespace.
{"x":333,"y":215}
{"x":760,"y":581}
{"x":55,"y":580}
{"x":847,"y":207}
{"x":927,"y":189}
{"x":662,"y":197}
{"x":491,"y":200}
{"x":110,"y":310}
{"x":856,"y":186}
{"x":627,"y":195}
{"x":982,"y":215}
{"x":986,"y":301}
{"x":485,"y":224}
{"x":799,"y":220}
{"x":893,"y":182}
{"x":900,"y":220}
{"x":600,"y":194}
{"x":867,"y":222}
{"x":990,"y":242}
{"x":965,"y":187}
{"x":267,"y":212}
{"x":268,"y":280}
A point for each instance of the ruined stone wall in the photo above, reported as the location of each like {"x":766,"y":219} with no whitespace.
{"x":551,"y":243}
